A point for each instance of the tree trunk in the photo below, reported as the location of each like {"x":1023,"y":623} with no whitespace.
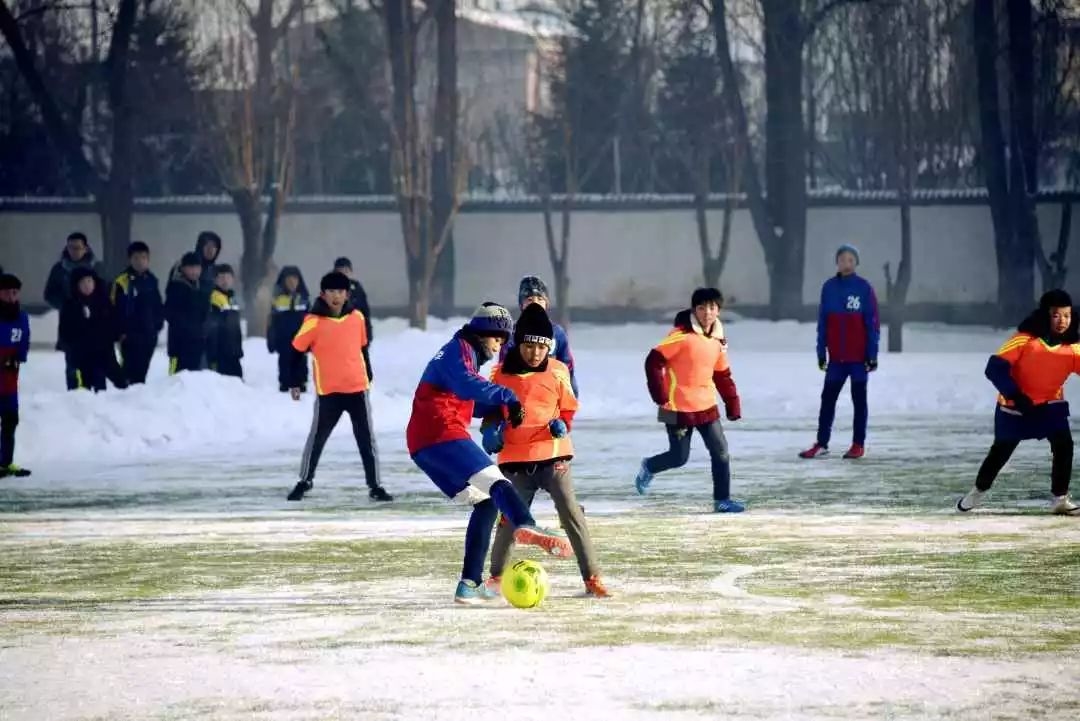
{"x":253,"y":264}
{"x":897,"y":291}
{"x":1023,"y":147}
{"x":444,"y":158}
{"x":784,"y":264}
{"x":1015,"y":287}
{"x":115,"y":208}
{"x":785,"y":155}
{"x":559,"y":260}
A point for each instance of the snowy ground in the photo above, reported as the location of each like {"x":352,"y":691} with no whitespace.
{"x":153,"y":570}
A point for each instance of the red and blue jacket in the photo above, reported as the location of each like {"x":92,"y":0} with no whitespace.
{"x":14,"y":345}
{"x":445,"y":401}
{"x":848,"y":326}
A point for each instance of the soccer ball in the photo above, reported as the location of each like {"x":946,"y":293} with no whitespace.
{"x":525,"y":584}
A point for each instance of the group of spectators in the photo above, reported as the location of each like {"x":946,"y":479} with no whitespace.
{"x":200,"y":305}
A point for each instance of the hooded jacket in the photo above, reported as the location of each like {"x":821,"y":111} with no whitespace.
{"x":287,"y":311}
{"x":224,"y":333}
{"x":88,"y":327}
{"x":206,"y":275}
{"x":686,"y":370}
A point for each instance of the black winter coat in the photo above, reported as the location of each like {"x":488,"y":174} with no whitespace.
{"x":358,"y":299}
{"x":224,"y":335}
{"x":287,"y":311}
{"x":140,"y":312}
{"x":186,"y":309}
{"x":88,"y":328}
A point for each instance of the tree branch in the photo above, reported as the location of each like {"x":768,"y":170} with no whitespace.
{"x":49,"y":7}
{"x":64,"y":135}
{"x":819,"y":16}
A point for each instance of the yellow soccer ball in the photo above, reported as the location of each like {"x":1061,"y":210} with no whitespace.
{"x":525,"y":584}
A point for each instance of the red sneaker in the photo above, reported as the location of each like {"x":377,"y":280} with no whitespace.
{"x":595,"y":587}
{"x":815,"y":451}
{"x":552,"y":543}
{"x":856,"y":451}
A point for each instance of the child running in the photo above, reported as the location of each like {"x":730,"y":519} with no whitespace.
{"x":684,"y":374}
{"x":1029,"y":372}
{"x":536,"y":455}
{"x":439,"y":443}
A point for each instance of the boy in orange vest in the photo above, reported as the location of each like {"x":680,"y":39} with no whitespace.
{"x":536,"y":455}
{"x":684,"y":373}
{"x":335,"y":334}
{"x":1029,"y":372}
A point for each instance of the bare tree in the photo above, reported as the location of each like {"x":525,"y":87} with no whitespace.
{"x":251,"y":118}
{"x":103,"y":166}
{"x":426,"y":152}
{"x":778,"y":215}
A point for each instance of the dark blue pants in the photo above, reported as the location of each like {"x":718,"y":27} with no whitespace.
{"x":835,"y":377}
{"x":678,"y":453}
{"x":9,"y":419}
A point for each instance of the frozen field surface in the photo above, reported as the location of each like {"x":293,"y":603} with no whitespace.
{"x":151,"y":568}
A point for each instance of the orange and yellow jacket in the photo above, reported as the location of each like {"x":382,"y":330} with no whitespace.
{"x":687,"y":369}
{"x":1032,"y":366}
{"x":337,"y":349}
{"x":545,"y":394}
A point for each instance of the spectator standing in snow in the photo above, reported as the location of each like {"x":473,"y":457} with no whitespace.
{"x":76,"y":254}
{"x":140,"y":312}
{"x":357,"y":299}
{"x":88,"y":331}
{"x":848,"y":331}
{"x":224,"y":334}
{"x":14,"y":347}
{"x":186,"y":310}
{"x":290,"y":304}
{"x":207,"y":251}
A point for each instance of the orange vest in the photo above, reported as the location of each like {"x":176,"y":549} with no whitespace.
{"x":545,"y":396}
{"x":337,"y":351}
{"x":1040,"y":370}
{"x":691,"y":358}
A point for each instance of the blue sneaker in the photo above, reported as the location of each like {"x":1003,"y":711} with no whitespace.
{"x":728,"y":506}
{"x":469,"y":594}
{"x":644,"y":478}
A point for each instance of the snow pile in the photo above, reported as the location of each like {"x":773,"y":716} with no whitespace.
{"x":774,"y":367}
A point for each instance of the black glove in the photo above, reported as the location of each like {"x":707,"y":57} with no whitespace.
{"x":821,"y":364}
{"x":871,"y":365}
{"x":516,"y":414}
{"x":1022,"y":403}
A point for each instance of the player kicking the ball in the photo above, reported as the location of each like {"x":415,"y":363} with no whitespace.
{"x":536,"y":455}
{"x":439,"y":443}
{"x":1029,"y":372}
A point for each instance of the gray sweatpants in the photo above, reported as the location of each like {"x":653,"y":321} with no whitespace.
{"x":555,"y":479}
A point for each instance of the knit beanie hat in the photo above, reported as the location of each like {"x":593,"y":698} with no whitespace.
{"x":189,"y":260}
{"x":706,"y":295}
{"x":848,"y":248}
{"x":334,"y":281}
{"x":9,"y":281}
{"x":491,"y":319}
{"x":534,"y":326}
{"x":531,"y":286}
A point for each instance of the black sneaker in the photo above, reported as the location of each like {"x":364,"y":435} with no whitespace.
{"x":299,"y":490}
{"x":378,"y":493}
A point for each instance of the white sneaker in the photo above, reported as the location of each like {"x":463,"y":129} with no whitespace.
{"x":973,"y":498}
{"x":1064,"y":506}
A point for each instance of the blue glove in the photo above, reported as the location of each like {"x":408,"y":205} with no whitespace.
{"x":558,"y":428}
{"x":493,"y":437}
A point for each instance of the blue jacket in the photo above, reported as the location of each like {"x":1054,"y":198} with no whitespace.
{"x":140,"y":311}
{"x":561,"y":352}
{"x":14,"y":346}
{"x":448,"y":396}
{"x":848,"y":327}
